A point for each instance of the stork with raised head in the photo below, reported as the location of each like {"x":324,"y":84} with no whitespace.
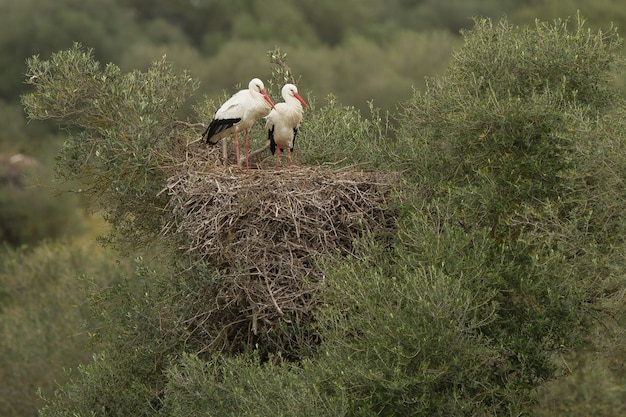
{"x":239,"y":113}
{"x":284,"y":121}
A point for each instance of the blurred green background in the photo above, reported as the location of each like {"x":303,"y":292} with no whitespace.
{"x":356,"y":50}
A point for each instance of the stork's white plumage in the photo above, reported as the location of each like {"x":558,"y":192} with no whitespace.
{"x":284,"y":121}
{"x":239,"y":113}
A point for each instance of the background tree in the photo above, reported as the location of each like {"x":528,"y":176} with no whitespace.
{"x":32,"y":27}
{"x":44,"y":317}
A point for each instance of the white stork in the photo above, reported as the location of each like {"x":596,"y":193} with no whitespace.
{"x":284,"y":121}
{"x":239,"y":113}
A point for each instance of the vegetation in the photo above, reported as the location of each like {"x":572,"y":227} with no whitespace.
{"x":44,"y":317}
{"x":498,"y":265}
{"x":124,"y":123}
{"x":494,"y":287}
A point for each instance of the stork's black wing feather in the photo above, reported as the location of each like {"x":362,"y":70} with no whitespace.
{"x":270,"y":137}
{"x":293,"y":142}
{"x":217,"y":126}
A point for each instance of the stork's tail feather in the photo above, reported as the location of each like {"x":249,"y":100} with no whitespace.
{"x":205,"y":135}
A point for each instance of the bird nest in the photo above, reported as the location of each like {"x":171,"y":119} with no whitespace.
{"x":268,"y":232}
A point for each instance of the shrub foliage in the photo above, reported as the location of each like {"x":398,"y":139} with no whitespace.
{"x":515,"y":142}
{"x":120,"y":127}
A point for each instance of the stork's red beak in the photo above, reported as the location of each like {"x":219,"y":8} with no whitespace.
{"x":267,"y":98}
{"x":296,"y":95}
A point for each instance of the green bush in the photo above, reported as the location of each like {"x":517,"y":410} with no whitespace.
{"x":44,"y":319}
{"x":404,"y":337}
{"x":121,"y":127}
{"x":135,"y":341}
{"x":246,"y":386}
{"x":340,"y":135}
{"x":519,"y":141}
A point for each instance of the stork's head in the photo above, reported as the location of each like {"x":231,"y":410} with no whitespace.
{"x":290,"y":90}
{"x":257,"y":86}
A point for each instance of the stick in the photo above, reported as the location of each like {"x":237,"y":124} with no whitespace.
{"x":258,"y":151}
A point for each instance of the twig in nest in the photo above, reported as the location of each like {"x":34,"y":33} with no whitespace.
{"x":258,"y":151}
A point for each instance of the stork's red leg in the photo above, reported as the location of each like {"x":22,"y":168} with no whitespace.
{"x":246,"y":146}
{"x":277,"y":156}
{"x":237,"y":146}
{"x":288,"y":157}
